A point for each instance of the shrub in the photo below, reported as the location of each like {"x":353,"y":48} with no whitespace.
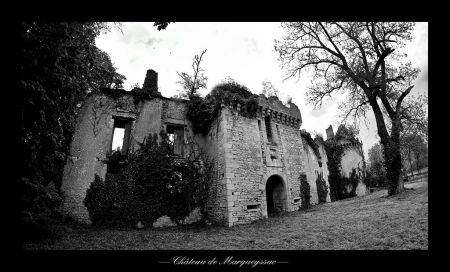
{"x":154,"y":183}
{"x":305,"y":192}
{"x":322,"y":188}
{"x":202,"y":112}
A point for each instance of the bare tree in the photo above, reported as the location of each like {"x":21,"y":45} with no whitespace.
{"x":191,"y":83}
{"x":361,"y":59}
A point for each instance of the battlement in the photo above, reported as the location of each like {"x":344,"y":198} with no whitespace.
{"x":274,"y":108}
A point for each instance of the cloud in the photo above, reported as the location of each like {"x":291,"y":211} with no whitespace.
{"x":252,"y":45}
{"x":319,"y":112}
{"x":139,"y":34}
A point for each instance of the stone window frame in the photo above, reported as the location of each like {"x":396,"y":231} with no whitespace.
{"x":268,"y":125}
{"x":126,"y":122}
{"x":182,"y":127}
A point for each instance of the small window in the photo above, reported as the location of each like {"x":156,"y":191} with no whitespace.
{"x":268,"y":129}
{"x":253,"y":206}
{"x":296,"y":200}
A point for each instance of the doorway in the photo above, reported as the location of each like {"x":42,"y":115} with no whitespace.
{"x":275,"y":195}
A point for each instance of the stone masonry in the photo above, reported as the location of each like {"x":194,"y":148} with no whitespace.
{"x":258,"y":160}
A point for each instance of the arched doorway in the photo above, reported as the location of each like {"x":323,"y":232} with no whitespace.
{"x":275,"y":195}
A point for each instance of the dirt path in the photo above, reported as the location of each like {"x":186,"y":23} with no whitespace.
{"x":369,"y":222}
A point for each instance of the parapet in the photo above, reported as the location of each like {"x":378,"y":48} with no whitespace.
{"x":273,"y":107}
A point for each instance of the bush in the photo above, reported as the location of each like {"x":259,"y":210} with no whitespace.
{"x":350,"y":182}
{"x":305,"y":192}
{"x":322,"y":189}
{"x":202,"y":112}
{"x":152,"y":184}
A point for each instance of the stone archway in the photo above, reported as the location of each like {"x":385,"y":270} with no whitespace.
{"x":275,"y":195}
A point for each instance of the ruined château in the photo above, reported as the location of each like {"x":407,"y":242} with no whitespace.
{"x":258,"y":160}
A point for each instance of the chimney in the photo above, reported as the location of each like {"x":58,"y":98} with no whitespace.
{"x":151,"y":82}
{"x":330,"y":133}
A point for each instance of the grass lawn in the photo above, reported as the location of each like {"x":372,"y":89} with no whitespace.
{"x":369,"y":222}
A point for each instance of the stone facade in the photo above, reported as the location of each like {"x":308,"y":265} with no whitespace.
{"x":353,"y":158}
{"x":257,"y":160}
{"x":314,"y":167}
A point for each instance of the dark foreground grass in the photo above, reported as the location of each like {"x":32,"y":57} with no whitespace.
{"x":369,"y":222}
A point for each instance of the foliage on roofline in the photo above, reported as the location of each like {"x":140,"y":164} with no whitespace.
{"x":137,"y":93}
{"x":202,"y":111}
{"x":307,"y":136}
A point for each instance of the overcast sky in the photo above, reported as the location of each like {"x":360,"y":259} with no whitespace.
{"x":242,"y":51}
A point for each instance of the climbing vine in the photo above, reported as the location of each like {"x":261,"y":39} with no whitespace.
{"x":305,"y":192}
{"x":154,"y":182}
{"x":307,"y":137}
{"x":322,"y":188}
{"x":339,"y":184}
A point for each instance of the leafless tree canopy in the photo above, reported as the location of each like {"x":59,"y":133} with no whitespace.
{"x":358,"y":57}
{"x":362,"y":60}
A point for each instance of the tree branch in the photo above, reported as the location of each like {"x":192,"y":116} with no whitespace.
{"x":355,"y":109}
{"x":402,"y":96}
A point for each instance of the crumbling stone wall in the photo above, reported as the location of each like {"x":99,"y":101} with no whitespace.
{"x":250,"y":160}
{"x":353,"y":158}
{"x":213,"y":145}
{"x":313,"y":169}
{"x":244,"y":158}
{"x":93,"y":138}
{"x":89,"y":148}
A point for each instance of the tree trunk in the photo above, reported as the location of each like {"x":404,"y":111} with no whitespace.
{"x":391,"y":148}
{"x":393,"y":161}
{"x":411,"y":168}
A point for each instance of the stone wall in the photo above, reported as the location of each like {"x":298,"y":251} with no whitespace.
{"x":313,"y":169}
{"x":293,"y":161}
{"x":354,"y":158}
{"x":91,"y":143}
{"x":243,"y":167}
{"x":244,"y":158}
{"x":213,"y":145}
{"x":93,"y":139}
{"x":250,"y":160}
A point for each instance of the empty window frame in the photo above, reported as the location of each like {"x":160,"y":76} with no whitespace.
{"x":121,"y":134}
{"x":176,"y":139}
{"x":268,"y":129}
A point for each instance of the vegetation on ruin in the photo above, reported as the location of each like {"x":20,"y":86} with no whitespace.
{"x":202,"y":111}
{"x":335,"y":151}
{"x":305,"y":192}
{"x":322,"y":188}
{"x":59,"y":65}
{"x":365,"y":60}
{"x":152,"y":183}
{"x":192,"y":83}
{"x":313,"y":144}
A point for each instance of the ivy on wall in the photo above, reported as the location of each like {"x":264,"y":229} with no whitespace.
{"x":305,"y":192}
{"x":339,"y":184}
{"x":315,"y":147}
{"x":202,"y":111}
{"x":154,"y":182}
{"x":322,"y":188}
